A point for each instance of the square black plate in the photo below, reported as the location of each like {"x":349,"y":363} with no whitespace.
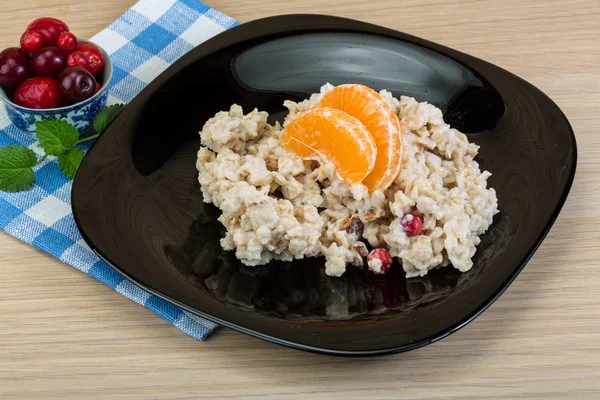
{"x":137,"y":202}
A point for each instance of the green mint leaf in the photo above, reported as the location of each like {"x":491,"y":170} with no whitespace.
{"x":16,"y":168}
{"x":56,"y":136}
{"x":105,"y":116}
{"x":70,"y":161}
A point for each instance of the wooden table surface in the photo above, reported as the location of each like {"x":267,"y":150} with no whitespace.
{"x":63,"y":335}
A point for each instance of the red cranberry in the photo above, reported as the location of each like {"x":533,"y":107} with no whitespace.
{"x":88,"y":56}
{"x":14,"y":67}
{"x":38,"y":93}
{"x":412,"y":224}
{"x":31,"y":41}
{"x":76,"y":59}
{"x":49,"y":28}
{"x":76,"y":84}
{"x":67,"y":41}
{"x":48,"y":61}
{"x":379,"y":261}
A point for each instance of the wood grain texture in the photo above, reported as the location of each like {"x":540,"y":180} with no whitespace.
{"x":63,"y":335}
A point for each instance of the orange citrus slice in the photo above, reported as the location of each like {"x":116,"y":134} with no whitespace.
{"x":378,"y":117}
{"x":335,"y":137}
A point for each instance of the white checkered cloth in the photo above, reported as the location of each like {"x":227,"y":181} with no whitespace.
{"x":142,"y":43}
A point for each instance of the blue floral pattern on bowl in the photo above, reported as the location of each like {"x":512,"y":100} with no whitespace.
{"x":80,"y":115}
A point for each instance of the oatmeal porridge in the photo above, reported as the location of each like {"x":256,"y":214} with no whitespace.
{"x":278,"y":205}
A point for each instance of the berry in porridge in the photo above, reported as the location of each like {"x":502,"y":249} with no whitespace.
{"x":412,"y":224}
{"x":379,"y":261}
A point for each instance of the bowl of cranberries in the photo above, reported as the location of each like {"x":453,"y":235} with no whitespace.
{"x":53,"y":75}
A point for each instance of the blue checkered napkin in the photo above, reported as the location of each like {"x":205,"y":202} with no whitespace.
{"x":142,"y":43}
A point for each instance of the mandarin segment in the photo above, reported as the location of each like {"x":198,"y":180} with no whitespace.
{"x":370,"y":108}
{"x":334,"y":137}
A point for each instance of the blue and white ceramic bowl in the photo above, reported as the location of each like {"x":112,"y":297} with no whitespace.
{"x":80,"y":115}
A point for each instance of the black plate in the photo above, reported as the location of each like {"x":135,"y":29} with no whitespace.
{"x":137,"y":203}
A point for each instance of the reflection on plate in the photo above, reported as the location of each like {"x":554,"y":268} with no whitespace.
{"x":303,"y":291}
